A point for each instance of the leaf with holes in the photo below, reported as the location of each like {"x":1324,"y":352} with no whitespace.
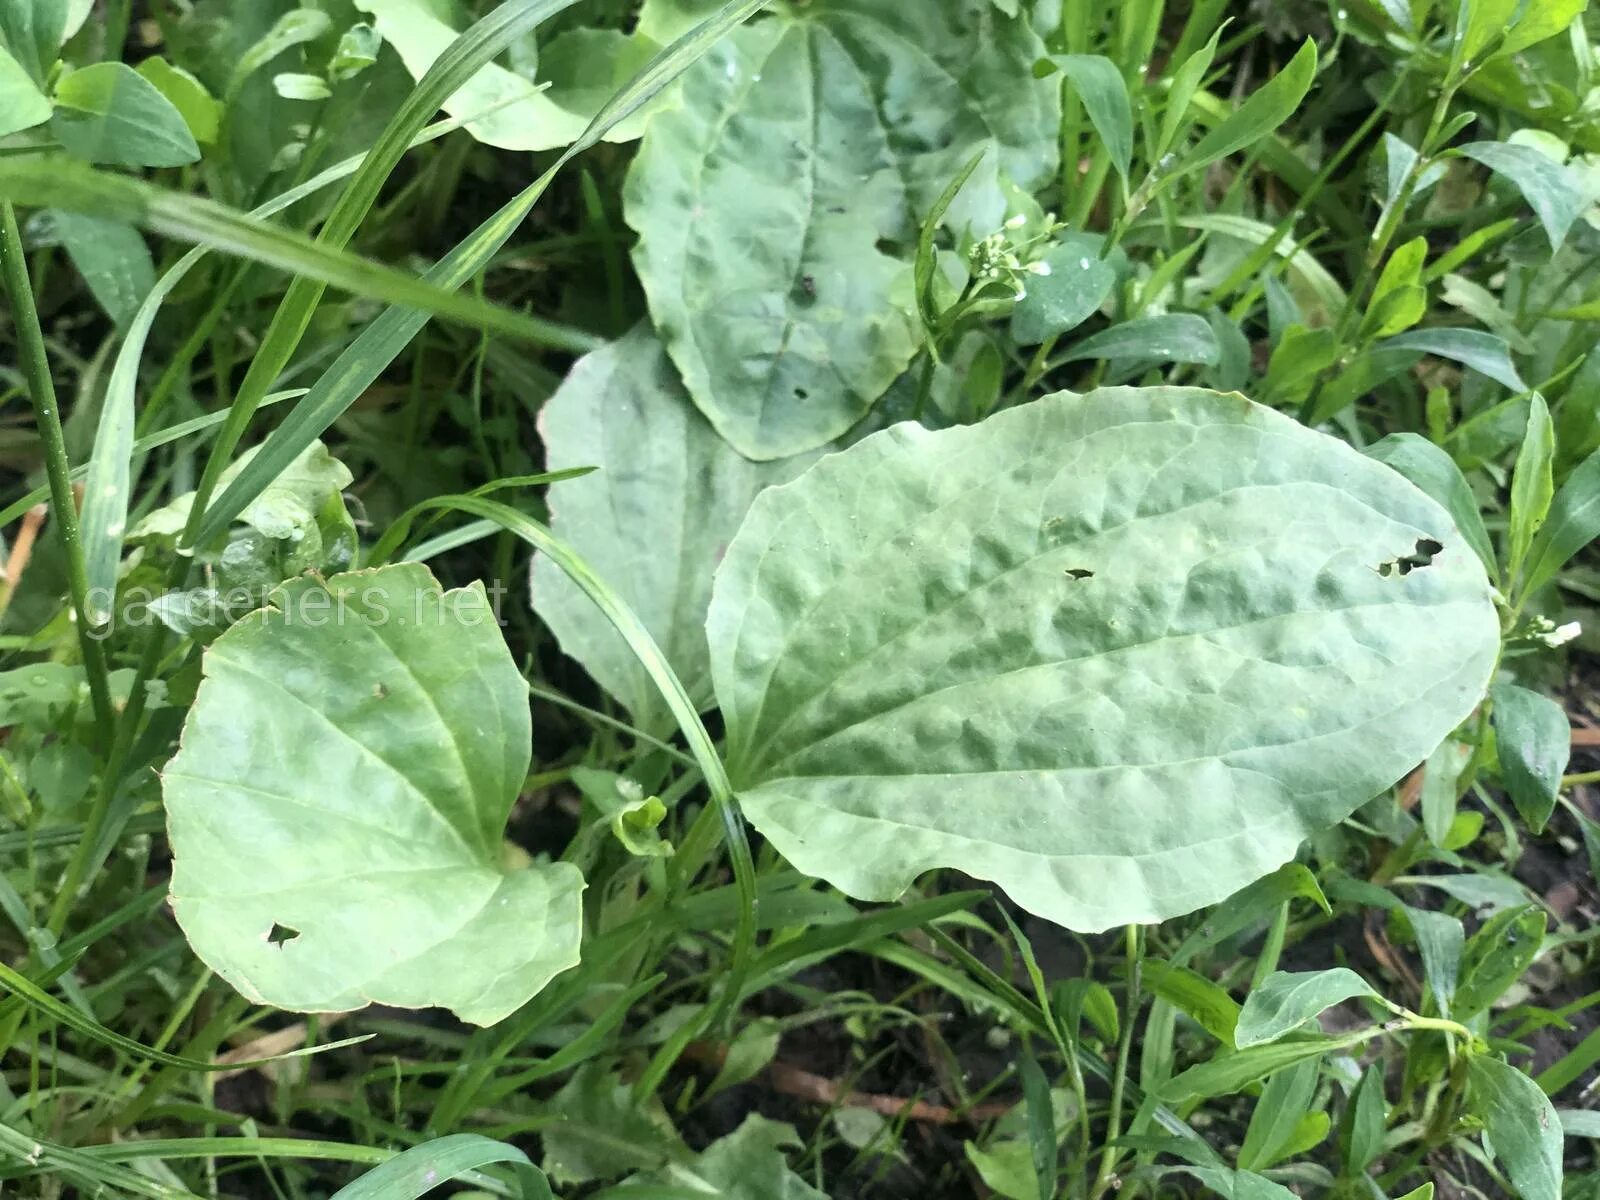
{"x":778,"y":207}
{"x":338,"y":805}
{"x":654,"y":520}
{"x":1118,"y":653}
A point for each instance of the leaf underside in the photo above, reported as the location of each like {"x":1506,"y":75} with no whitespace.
{"x":1118,"y":653}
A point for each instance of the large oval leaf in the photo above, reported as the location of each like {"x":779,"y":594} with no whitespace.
{"x":1118,"y":653}
{"x":653,"y":521}
{"x":338,"y":805}
{"x":777,"y":206}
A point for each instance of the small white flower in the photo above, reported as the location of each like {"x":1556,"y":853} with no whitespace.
{"x":1039,"y":268}
{"x":1563,"y":634}
{"x":1016,"y":222}
{"x":1083,"y":263}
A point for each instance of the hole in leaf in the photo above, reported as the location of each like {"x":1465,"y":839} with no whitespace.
{"x":801,"y":393}
{"x":281,"y":935}
{"x":1420,"y":556}
{"x":1079,"y":573}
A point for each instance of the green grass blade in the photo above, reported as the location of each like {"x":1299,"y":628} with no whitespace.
{"x":460,"y":61}
{"x":150,"y":441}
{"x":378,"y":345}
{"x":38,"y":998}
{"x":105,"y":499}
{"x":58,"y":184}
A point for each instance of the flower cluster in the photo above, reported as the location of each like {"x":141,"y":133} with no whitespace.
{"x":999,"y":259}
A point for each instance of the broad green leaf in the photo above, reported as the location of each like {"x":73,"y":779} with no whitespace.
{"x":763,"y":200}
{"x":1435,"y":472}
{"x":1237,"y":1069}
{"x":1365,"y":1118}
{"x":1554,"y":193}
{"x":525,"y":116}
{"x":33,"y":30}
{"x":199,"y":109}
{"x":747,"y":1164}
{"x":1118,"y":653}
{"x":338,"y":805}
{"x":109,"y":113}
{"x":1521,"y":1123}
{"x":1077,"y":285}
{"x":112,"y":258}
{"x":22,"y":104}
{"x":1286,"y":1000}
{"x":1534,"y":742}
{"x":1532,"y":482}
{"x":1485,"y":353}
{"x":1169,"y":337}
{"x":584,"y":68}
{"x":1267,"y":108}
{"x":653,"y":521}
{"x":1211,"y":1007}
{"x":1100,"y":86}
{"x":1496,"y":956}
{"x":1441,"y":776}
{"x":415,"y":1172}
{"x":1573,"y":522}
{"x":1297,"y":362}
{"x":1580,"y":1122}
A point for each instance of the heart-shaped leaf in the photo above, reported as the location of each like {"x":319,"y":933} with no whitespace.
{"x":338,"y":806}
{"x":1118,"y":653}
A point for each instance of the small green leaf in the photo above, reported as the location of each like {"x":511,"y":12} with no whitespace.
{"x":1532,"y":482}
{"x":200,"y":111}
{"x":1169,"y":337}
{"x":1540,"y":21}
{"x":1534,"y":741}
{"x":1496,"y":956}
{"x":1486,"y":353}
{"x":109,"y":113}
{"x":1440,"y":788}
{"x":1521,"y":1123}
{"x":1215,"y":1011}
{"x":1286,"y":1000}
{"x":1267,"y":108}
{"x":1572,"y":523}
{"x":112,"y":258}
{"x":1282,"y":1123}
{"x":417,"y":1171}
{"x":22,"y":104}
{"x":1479,"y":23}
{"x":1077,"y":285}
{"x":1365,"y":1118}
{"x":1186,"y":82}
{"x":1104,"y":93}
{"x":1441,"y":940}
{"x":1551,"y":190}
{"x":338,"y":806}
{"x":1232,"y":1072}
{"x":1436,"y":473}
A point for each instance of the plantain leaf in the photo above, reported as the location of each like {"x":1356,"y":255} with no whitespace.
{"x":1118,"y":653}
{"x":653,"y":521}
{"x":778,"y":206}
{"x":337,"y":808}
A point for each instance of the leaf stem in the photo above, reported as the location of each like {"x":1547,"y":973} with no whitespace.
{"x":1134,"y":947}
{"x":36,"y":369}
